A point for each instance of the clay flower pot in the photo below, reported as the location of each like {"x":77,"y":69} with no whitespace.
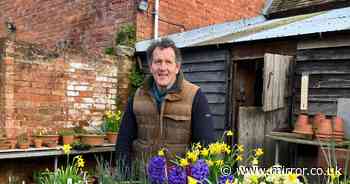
{"x":23,"y":145}
{"x":38,"y":143}
{"x":112,"y":137}
{"x":67,"y":139}
{"x":317,"y":120}
{"x":92,"y":139}
{"x":325,"y":127}
{"x":302,"y":125}
{"x":338,"y":124}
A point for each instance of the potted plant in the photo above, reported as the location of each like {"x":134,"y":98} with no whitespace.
{"x":67,"y":136}
{"x":23,"y":142}
{"x":93,"y":137}
{"x":111,"y":123}
{"x":47,"y":136}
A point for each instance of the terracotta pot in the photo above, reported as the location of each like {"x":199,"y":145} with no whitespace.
{"x":302,"y":125}
{"x":5,"y":145}
{"x":38,"y":143}
{"x":112,"y":137}
{"x":23,"y":145}
{"x":325,"y":127}
{"x":49,"y":138}
{"x":52,"y":144}
{"x":338,"y":124}
{"x":68,"y":139}
{"x":317,"y":120}
{"x":92,"y":140}
{"x":13,"y":143}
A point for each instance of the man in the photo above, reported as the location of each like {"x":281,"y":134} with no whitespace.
{"x":167,"y":111}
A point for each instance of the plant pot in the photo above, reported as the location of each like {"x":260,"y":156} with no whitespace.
{"x":38,"y":143}
{"x":302,"y":125}
{"x":67,"y":139}
{"x":5,"y":145}
{"x":49,"y":138}
{"x":92,"y":140}
{"x":325,"y":127}
{"x":112,"y":137}
{"x":52,"y":144}
{"x":317,"y":120}
{"x":23,"y":145}
{"x":13,"y":143}
{"x":338,"y":124}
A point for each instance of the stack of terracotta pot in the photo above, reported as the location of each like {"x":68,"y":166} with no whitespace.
{"x":328,"y":129}
{"x":302,"y":126}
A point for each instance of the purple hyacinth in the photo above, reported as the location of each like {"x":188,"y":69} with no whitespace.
{"x":223,"y":179}
{"x":200,"y":170}
{"x":156,"y":170}
{"x":177,"y":175}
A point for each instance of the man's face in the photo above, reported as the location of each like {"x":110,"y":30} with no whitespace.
{"x":164,"y":67}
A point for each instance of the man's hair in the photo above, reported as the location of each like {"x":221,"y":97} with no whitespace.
{"x":162,"y":44}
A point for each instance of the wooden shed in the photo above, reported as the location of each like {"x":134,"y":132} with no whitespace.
{"x":264,"y":60}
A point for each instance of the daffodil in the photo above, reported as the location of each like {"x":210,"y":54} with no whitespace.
{"x":209,"y":162}
{"x":204,"y":152}
{"x":259,"y":152}
{"x":229,"y":133}
{"x":239,"y":157}
{"x":192,"y":155}
{"x":80,"y":161}
{"x":184,"y":162}
{"x":240,"y":148}
{"x":161,"y":152}
{"x":254,"y":179}
{"x":292,"y":178}
{"x":67,"y":149}
{"x":219,"y":162}
{"x":191,"y":180}
{"x":255,"y":161}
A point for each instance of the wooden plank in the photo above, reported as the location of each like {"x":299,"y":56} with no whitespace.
{"x":251,"y":128}
{"x":326,"y":81}
{"x":340,"y":53}
{"x":216,"y":98}
{"x":204,"y":55}
{"x":276,"y":68}
{"x":314,"y":107}
{"x":324,"y":67}
{"x":334,"y":41}
{"x":291,"y":135}
{"x":304,"y":91}
{"x":203,"y":67}
{"x":217,"y":109}
{"x":219,"y":122}
{"x":206,"y":77}
{"x":212,"y":87}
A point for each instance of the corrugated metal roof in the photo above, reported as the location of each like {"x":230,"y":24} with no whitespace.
{"x":327,"y":21}
{"x":285,"y":5}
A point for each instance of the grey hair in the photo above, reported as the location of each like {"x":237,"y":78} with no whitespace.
{"x":162,"y":44}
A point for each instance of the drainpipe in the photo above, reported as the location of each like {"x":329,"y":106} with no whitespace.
{"x":156,"y":19}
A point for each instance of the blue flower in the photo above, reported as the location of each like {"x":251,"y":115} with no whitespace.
{"x":228,"y":178}
{"x":200,"y":170}
{"x":177,"y":175}
{"x":156,"y":170}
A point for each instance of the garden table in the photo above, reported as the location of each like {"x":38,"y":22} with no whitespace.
{"x":282,"y":138}
{"x":56,"y":151}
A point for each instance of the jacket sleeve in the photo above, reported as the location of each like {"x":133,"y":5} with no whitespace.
{"x":202,"y":120}
{"x":127,"y":134}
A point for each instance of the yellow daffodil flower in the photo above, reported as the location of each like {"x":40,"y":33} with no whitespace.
{"x":229,"y":133}
{"x":209,"y":162}
{"x":259,"y":152}
{"x":184,"y":162}
{"x":66,"y":149}
{"x":192,"y":155}
{"x":239,"y":158}
{"x":191,"y":180}
{"x":254,"y":179}
{"x":80,"y":161}
{"x":204,"y":152}
{"x":161,"y":152}
{"x":255,"y":161}
{"x":219,"y":162}
{"x":292,"y":178}
{"x":240,"y":148}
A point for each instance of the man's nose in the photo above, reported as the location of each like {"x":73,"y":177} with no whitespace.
{"x":163,"y":66}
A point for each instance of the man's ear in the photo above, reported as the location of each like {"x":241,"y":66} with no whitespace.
{"x":178,"y":67}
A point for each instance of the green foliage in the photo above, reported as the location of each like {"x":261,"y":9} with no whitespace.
{"x":111,"y":121}
{"x":126,"y":35}
{"x":136,"y":79}
{"x":66,"y":132}
{"x":110,"y":51}
{"x":80,"y":146}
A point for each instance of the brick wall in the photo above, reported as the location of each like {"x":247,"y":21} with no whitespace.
{"x":91,"y":25}
{"x":87,"y":24}
{"x":183,"y":15}
{"x":43,"y":89}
